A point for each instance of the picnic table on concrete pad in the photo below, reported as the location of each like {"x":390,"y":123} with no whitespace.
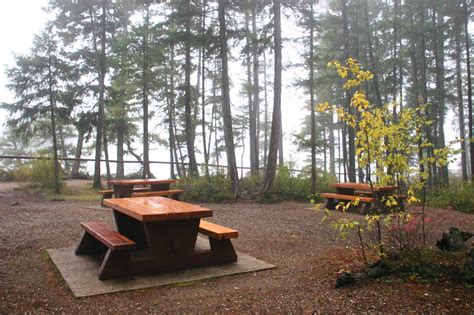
{"x":155,"y":234}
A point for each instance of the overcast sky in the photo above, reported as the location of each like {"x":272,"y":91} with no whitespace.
{"x":19,"y":21}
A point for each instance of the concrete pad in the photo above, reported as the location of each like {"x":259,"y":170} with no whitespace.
{"x":80,"y":272}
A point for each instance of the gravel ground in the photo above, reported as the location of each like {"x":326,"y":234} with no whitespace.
{"x":289,"y":235}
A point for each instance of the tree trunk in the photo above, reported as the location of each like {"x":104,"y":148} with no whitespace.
{"x":226,"y":110}
{"x":332,"y":159}
{"x":52,"y":105}
{"x":373,"y":62}
{"x":170,"y":98}
{"x":190,"y":125}
{"x":265,"y":114}
{"x":276,"y":119}
{"x":145,"y":92}
{"x":311,"y":101}
{"x":63,"y":146}
{"x":350,"y":130}
{"x":248,"y":89}
{"x":462,"y":132}
{"x":438,"y":42}
{"x":424,"y":83}
{"x":253,"y":117}
{"x":203,"y":92}
{"x":469,"y":86}
{"x":101,"y":65}
{"x":120,"y":171}
{"x":106,"y":153}
{"x":77,"y":164}
{"x":415,"y":87}
{"x":395,"y":54}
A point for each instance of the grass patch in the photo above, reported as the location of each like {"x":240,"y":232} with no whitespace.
{"x":79,"y":193}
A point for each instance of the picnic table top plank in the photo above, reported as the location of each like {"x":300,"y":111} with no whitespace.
{"x":147,"y":209}
{"x":364,"y":187}
{"x":147,"y":181}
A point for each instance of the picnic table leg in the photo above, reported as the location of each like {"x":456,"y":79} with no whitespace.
{"x":114,"y":265}
{"x":89,"y":245}
{"x":131,"y":228}
{"x":159,"y":187}
{"x":365,"y":208}
{"x":177,"y":238}
{"x":330,"y":204}
{"x":123,"y":191}
{"x":223,"y":250}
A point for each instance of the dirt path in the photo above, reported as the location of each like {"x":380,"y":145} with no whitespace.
{"x":288,"y":235}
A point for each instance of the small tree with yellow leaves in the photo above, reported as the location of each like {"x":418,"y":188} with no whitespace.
{"x":386,"y":147}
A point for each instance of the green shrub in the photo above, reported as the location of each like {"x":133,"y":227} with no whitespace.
{"x":37,"y":174}
{"x":249,"y":186}
{"x":215,"y":188}
{"x":290,"y":187}
{"x":459,"y":195}
{"x":426,"y":263}
{"x":6,"y":175}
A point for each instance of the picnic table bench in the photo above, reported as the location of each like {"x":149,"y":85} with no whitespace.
{"x":367,"y":195}
{"x":155,"y":234}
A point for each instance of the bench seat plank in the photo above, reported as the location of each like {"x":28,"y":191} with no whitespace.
{"x":346,"y":197}
{"x":217,"y":231}
{"x":110,"y":238}
{"x":158,"y":193}
{"x":111,"y":191}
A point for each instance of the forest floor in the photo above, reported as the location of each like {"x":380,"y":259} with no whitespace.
{"x":289,"y":235}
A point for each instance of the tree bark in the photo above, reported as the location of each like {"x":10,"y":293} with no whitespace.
{"x":462,"y":132}
{"x":120,"y":171}
{"x":265,"y":114}
{"x":255,"y":108}
{"x":52,"y":105}
{"x":106,"y":153}
{"x":203,"y":92}
{"x":63,"y":146}
{"x":78,"y":153}
{"x":311,"y":100}
{"x":350,"y":130}
{"x":469,"y":86}
{"x":276,"y":119}
{"x":226,"y":110}
{"x":248,"y":89}
{"x":101,"y":65}
{"x":438,"y":42}
{"x":190,"y":125}
{"x":170,"y":97}
{"x":145,"y":92}
{"x":373,"y":63}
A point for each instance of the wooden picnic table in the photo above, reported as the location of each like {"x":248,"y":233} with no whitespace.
{"x":124,"y":188}
{"x":346,"y":192}
{"x":155,"y":234}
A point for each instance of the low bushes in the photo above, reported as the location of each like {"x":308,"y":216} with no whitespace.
{"x":287,"y":186}
{"x":458,"y":195}
{"x":38,"y":174}
{"x":214,"y":188}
